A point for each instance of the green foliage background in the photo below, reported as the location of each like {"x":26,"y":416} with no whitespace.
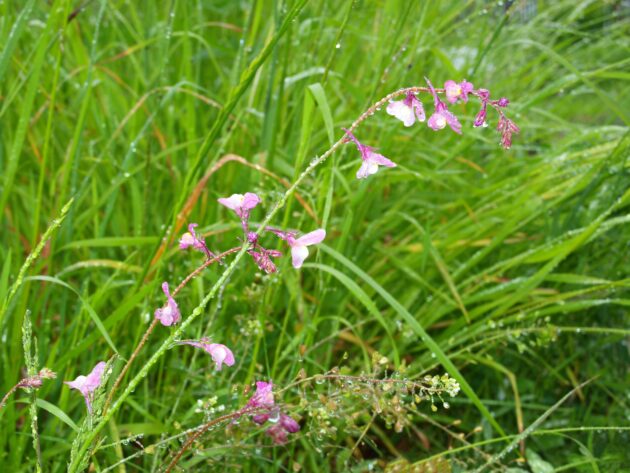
{"x":128,"y":106}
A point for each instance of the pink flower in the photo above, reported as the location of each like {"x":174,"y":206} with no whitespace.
{"x":455,"y":91}
{"x":371,"y":160}
{"x":262,"y":258}
{"x":299,"y":246}
{"x":86,"y":385}
{"x":241,"y":204}
{"x":442,"y":117}
{"x":263,"y":397}
{"x":407,"y":110}
{"x":507,"y":127}
{"x":220,"y":353}
{"x":190,"y":238}
{"x":169,"y":314}
{"x":285,"y":425}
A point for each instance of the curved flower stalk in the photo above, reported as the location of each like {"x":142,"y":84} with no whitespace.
{"x":244,"y":204}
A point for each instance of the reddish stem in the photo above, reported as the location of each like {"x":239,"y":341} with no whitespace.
{"x":146,"y":335}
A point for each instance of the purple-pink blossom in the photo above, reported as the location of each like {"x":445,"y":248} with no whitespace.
{"x":285,"y":425}
{"x":507,"y":127}
{"x":190,"y":239}
{"x":371,"y":159}
{"x":282,"y":423}
{"x":263,"y":397}
{"x":407,"y":110}
{"x":480,"y":119}
{"x":168,"y":314}
{"x":86,"y":385}
{"x":262,"y":258}
{"x":219,"y":353}
{"x":441,"y":116}
{"x":241,"y":204}
{"x":299,"y":246}
{"x":455,"y":91}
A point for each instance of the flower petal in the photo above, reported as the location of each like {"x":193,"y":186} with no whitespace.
{"x":381,"y":160}
{"x":250,"y":200}
{"x":362,"y":173}
{"x":312,"y":238}
{"x":234,"y":202}
{"x":93,"y":380}
{"x":298,"y":255}
{"x":436,"y":121}
{"x":402,"y":111}
{"x":452,"y":121}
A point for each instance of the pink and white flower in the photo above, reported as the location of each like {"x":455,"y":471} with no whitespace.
{"x":442,"y":117}
{"x":455,"y":91}
{"x":407,"y":110}
{"x":86,"y":385}
{"x":299,"y":246}
{"x":263,"y":397}
{"x":168,"y":314}
{"x":241,"y":204}
{"x":371,"y":159}
{"x":219,"y":353}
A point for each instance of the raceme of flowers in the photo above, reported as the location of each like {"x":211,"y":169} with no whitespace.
{"x":409,"y":110}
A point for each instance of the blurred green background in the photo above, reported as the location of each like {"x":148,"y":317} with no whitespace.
{"x":514,"y":262}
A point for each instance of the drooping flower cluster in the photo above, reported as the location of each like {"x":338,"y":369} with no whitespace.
{"x":282,"y":424}
{"x":410,"y":109}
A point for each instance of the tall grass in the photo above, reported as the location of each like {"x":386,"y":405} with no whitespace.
{"x":514,"y":264}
